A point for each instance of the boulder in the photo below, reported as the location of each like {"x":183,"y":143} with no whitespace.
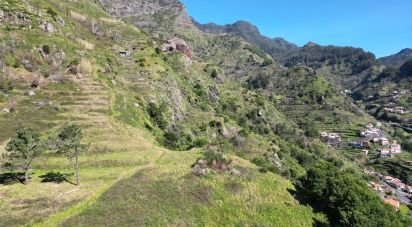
{"x":27,"y":65}
{"x":235,"y":172}
{"x":5,"y":110}
{"x":60,"y":20}
{"x":47,"y":27}
{"x":31,"y":93}
{"x":274,"y":159}
{"x":200,"y":168}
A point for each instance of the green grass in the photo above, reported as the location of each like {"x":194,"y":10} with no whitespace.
{"x":168,"y":194}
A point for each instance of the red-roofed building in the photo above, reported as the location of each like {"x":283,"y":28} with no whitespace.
{"x":393,"y":202}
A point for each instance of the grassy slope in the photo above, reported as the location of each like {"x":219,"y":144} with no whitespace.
{"x":167,"y":193}
{"x":124,"y":165}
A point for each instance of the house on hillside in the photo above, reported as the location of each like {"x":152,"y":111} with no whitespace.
{"x":408,"y":189}
{"x":395,"y":148}
{"x":124,"y":53}
{"x":360,"y":145}
{"x":332,"y":139}
{"x":392,"y":202}
{"x":396,"y":109}
{"x":372,"y":133}
{"x":385,"y":153}
{"x":376,"y":186}
{"x":382,"y":140}
{"x":394,"y":182}
{"x":391,"y":150}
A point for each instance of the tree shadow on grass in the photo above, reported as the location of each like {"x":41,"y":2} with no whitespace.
{"x":55,"y":177}
{"x":11,"y":178}
{"x":299,"y":196}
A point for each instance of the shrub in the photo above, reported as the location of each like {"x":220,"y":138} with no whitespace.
{"x":177,"y":138}
{"x":214,"y":74}
{"x":158,"y":50}
{"x":46,"y":49}
{"x":52,"y":13}
{"x":6,"y":83}
{"x":217,"y":160}
{"x":12,"y":61}
{"x":84,"y":67}
{"x":157,"y":114}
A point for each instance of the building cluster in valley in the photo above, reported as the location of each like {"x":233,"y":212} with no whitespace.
{"x":393,"y":108}
{"x":374,"y":135}
{"x":387,"y":186}
{"x":393,"y":98}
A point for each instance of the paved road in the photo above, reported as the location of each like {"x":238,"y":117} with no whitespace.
{"x":401,"y":196}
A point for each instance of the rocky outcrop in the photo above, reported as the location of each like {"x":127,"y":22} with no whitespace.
{"x":151,"y":15}
{"x":47,"y":27}
{"x":177,"y":44}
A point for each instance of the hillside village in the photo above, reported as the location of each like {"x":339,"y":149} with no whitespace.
{"x":391,"y":189}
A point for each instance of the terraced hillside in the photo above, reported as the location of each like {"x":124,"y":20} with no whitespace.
{"x":109,"y":102}
{"x":185,"y":128}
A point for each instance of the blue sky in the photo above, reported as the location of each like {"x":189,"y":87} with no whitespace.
{"x":383,"y":27}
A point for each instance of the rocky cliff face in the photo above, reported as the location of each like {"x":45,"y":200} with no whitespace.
{"x":154,"y":16}
{"x":276,"y":47}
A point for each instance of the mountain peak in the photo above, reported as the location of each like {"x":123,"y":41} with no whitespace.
{"x":311,"y":44}
{"x":397,"y":59}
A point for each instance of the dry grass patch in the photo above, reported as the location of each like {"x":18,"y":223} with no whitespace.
{"x":77,"y":16}
{"x":85,"y":44}
{"x":85,"y":67}
{"x":109,"y":20}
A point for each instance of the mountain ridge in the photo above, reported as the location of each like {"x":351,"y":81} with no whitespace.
{"x":398,"y":59}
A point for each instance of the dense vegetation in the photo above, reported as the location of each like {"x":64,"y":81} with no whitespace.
{"x":345,"y":198}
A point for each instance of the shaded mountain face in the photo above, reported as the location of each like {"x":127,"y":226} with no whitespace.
{"x":344,"y":67}
{"x":277,"y":47}
{"x":397,"y":59}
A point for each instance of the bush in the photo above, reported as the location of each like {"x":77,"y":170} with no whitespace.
{"x":176,"y":138}
{"x":157,"y":114}
{"x":158,"y":50}
{"x":217,"y":160}
{"x":12,"y":61}
{"x":85,"y":67}
{"x":6,"y":83}
{"x":265,"y":165}
{"x":46,"y":49}
{"x":52,"y":13}
{"x":214,"y":74}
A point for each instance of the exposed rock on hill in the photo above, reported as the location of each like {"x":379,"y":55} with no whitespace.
{"x":277,"y":47}
{"x":152,"y":15}
{"x":177,"y":44}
